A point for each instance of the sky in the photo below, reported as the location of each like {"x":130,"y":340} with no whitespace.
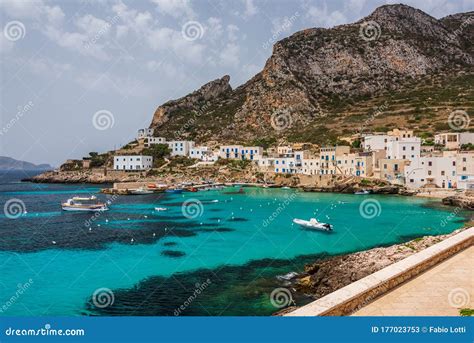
{"x":82,"y":75}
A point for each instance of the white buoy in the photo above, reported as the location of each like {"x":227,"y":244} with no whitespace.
{"x":154,"y":234}
{"x":146,"y":216}
{"x":132,"y":240}
{"x":218,"y":220}
{"x":98,"y":225}
{"x":54,"y":242}
{"x":128,"y":218}
{"x":106,"y":220}
{"x":90,"y":229}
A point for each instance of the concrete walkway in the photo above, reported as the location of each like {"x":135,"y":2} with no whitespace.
{"x":440,"y":291}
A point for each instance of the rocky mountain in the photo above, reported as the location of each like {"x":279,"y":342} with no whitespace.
{"x":396,"y":67}
{"x":8,"y":163}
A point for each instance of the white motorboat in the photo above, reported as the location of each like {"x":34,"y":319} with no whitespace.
{"x":362,"y":192}
{"x":141,"y":191}
{"x":313,"y":224}
{"x":160,"y":209}
{"x":89,"y":204}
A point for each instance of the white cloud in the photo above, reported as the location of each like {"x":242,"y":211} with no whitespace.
{"x":92,"y":25}
{"x":232,"y":31}
{"x":175,"y":8}
{"x":321,"y":17}
{"x":5,"y":45}
{"x":229,"y":56}
{"x":250,"y":8}
{"x":76,"y":41}
{"x":106,"y":83}
{"x":47,"y":67}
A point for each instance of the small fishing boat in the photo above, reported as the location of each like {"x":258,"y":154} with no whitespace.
{"x":141,"y":191}
{"x":89,"y":204}
{"x":362,"y":192}
{"x":192,"y":189}
{"x":174,"y":190}
{"x":160,"y":209}
{"x":313,"y":224}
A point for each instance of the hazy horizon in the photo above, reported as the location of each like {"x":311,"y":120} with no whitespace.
{"x":64,"y":62}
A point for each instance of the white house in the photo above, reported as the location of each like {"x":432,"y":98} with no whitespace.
{"x":203,"y":153}
{"x":286,"y":165}
{"x":311,"y":166}
{"x":241,"y":152}
{"x":180,"y":148}
{"x":230,"y":151}
{"x":132,"y":162}
{"x":454,"y":140}
{"x":465,"y":170}
{"x":375,"y":142}
{"x":251,"y":153}
{"x":143,"y":133}
{"x":154,"y":140}
{"x":404,"y":148}
{"x":438,"y":170}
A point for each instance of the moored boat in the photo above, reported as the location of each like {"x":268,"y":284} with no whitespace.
{"x":174,"y":190}
{"x":362,"y":192}
{"x":313,"y":224}
{"x":141,"y":191}
{"x":88,"y":204}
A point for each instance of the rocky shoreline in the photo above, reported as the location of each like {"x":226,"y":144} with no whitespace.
{"x":228,"y":175}
{"x":326,"y":276}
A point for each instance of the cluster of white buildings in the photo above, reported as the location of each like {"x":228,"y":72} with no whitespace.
{"x":397,"y":156}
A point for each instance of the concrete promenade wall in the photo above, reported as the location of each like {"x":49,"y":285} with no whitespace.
{"x":350,"y":298}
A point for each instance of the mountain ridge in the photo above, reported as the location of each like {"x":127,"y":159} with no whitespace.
{"x":316,"y":78}
{"x":8,"y":163}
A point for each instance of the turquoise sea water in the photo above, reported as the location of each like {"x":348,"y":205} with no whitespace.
{"x":152,"y":262}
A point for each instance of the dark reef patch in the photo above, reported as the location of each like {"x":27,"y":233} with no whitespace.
{"x":62,"y":232}
{"x":172,"y":253}
{"x":230,"y":290}
{"x":238,"y":219}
